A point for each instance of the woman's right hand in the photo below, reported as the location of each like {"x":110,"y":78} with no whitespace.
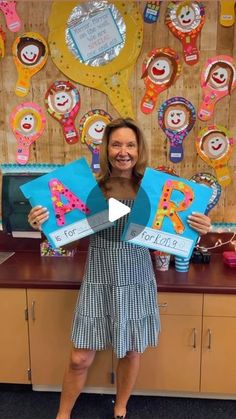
{"x":37,"y":216}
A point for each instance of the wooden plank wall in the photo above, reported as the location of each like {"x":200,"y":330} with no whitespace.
{"x":51,"y":147}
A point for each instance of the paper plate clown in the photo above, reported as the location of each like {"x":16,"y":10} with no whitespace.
{"x":215,"y":145}
{"x":91,"y":129}
{"x":160,"y":70}
{"x":176,"y":117}
{"x":185,"y":20}
{"x":28,"y":123}
{"x":62,"y":101}
{"x":30,"y":53}
{"x":218,"y":79}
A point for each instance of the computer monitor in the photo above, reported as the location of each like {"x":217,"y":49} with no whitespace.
{"x":15,"y":207}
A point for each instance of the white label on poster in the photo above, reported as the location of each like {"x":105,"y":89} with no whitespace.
{"x":96,"y":35}
{"x":159,"y":240}
{"x":83,"y":228}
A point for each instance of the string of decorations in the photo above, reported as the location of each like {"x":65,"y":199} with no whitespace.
{"x":219,"y":243}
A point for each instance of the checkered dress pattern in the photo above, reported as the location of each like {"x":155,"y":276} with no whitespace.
{"x":117,"y":303}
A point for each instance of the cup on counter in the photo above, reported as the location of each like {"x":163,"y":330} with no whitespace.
{"x":161,"y":260}
{"x":182,"y":264}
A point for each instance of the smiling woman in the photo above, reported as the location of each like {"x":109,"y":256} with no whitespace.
{"x":117,"y":301}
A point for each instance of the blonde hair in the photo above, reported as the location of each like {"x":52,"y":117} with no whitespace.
{"x":142,"y":162}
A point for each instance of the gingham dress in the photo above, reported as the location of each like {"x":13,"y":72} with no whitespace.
{"x":117,"y":303}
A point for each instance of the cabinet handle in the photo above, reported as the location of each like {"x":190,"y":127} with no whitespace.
{"x":194,"y":338}
{"x":33,"y":311}
{"x":209,"y":338}
{"x":162,"y":305}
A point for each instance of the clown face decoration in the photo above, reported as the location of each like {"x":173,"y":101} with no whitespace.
{"x":220,"y":76}
{"x":176,"y":117}
{"x":218,"y":79}
{"x":28,"y":122}
{"x":186,"y":16}
{"x":161,"y":68}
{"x":185,"y":20}
{"x":30,"y":53}
{"x":62,"y":101}
{"x":215,"y":145}
{"x":92,"y":127}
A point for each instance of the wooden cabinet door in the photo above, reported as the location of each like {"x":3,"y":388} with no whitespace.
{"x":50,"y":316}
{"x":14,"y":348}
{"x":174,"y":365}
{"x":51,"y":313}
{"x":218,"y":355}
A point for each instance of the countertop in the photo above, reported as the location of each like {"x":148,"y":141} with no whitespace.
{"x":30,"y":270}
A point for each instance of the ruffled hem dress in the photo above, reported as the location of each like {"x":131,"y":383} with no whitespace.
{"x":117,"y":303}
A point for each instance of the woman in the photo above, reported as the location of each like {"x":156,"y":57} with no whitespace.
{"x":117,"y":301}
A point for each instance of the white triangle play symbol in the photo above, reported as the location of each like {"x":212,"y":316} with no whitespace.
{"x":116,"y":209}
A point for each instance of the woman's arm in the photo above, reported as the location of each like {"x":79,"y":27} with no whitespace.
{"x":199,"y":222}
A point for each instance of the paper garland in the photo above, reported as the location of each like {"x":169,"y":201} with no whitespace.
{"x":62,"y":101}
{"x":12,"y":19}
{"x":91,"y":129}
{"x":176,"y":117}
{"x":215,"y":145}
{"x":27,"y":122}
{"x":209,"y":180}
{"x":107,"y":63}
{"x":185,"y":20}
{"x":30,"y":53}
{"x":218,"y":79}
{"x":160,"y":70}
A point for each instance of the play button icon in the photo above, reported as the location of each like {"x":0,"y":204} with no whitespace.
{"x":116,"y":209}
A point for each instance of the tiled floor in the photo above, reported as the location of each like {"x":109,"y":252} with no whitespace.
{"x":20,"y":404}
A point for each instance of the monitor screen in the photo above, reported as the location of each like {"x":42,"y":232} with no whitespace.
{"x":15,"y":207}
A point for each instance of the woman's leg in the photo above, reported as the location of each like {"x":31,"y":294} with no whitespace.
{"x":126,"y":374}
{"x":74,"y":380}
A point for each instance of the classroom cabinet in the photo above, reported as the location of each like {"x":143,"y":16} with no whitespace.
{"x":196,"y":350}
{"x":175,"y":363}
{"x":50,"y":317}
{"x":14,"y":348}
{"x":50,"y":314}
{"x":219,"y":344}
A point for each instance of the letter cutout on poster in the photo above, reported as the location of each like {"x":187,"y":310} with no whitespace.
{"x":58,"y":191}
{"x":168,"y":208}
{"x":171,"y":200}
{"x":75,"y":202}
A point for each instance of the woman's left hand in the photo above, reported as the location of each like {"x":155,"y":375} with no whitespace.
{"x":199,"y":222}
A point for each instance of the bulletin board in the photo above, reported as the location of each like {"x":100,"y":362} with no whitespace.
{"x":214,"y":39}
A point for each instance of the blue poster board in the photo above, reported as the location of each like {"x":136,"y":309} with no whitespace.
{"x":171,"y":200}
{"x":76,"y":205}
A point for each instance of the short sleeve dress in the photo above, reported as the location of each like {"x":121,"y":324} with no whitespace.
{"x":117,"y":303}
